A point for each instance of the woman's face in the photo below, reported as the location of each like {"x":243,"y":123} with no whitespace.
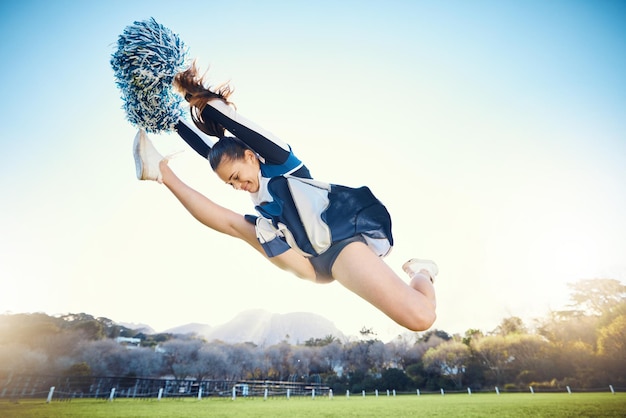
{"x":242,"y":174}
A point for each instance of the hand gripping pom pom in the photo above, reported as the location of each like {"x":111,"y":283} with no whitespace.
{"x":148,"y":57}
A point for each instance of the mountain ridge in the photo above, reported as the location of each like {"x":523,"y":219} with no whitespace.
{"x":264,"y":328}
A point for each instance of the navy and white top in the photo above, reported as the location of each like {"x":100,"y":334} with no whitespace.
{"x":294,"y":210}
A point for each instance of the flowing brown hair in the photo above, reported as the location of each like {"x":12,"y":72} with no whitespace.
{"x":191,"y":85}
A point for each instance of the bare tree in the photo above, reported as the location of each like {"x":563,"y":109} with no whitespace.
{"x":397,"y":353}
{"x":143,"y":362}
{"x":355,"y":356}
{"x":242,"y":361}
{"x":181,"y":356}
{"x":280,"y":359}
{"x":376,"y":357}
{"x":209,"y":362}
{"x":332,"y":355}
{"x":104,"y":357}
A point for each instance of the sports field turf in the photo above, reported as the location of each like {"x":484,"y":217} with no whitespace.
{"x":455,"y":405}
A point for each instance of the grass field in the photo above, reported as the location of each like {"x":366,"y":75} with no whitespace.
{"x":456,"y":405}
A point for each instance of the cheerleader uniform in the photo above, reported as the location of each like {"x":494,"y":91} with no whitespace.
{"x":316,"y":219}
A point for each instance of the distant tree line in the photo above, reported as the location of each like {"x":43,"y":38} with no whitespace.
{"x":581,"y":347}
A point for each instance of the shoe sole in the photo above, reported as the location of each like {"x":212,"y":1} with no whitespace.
{"x":434,"y":273}
{"x":137,"y":146}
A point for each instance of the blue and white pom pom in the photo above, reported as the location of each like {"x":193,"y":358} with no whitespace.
{"x":148,"y":57}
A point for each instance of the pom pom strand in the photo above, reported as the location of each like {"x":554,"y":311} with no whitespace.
{"x":147,"y":58}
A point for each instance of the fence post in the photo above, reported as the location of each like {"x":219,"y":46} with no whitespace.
{"x":288,"y":392}
{"x":313,"y":394}
{"x":199,"y":394}
{"x":265,"y":395}
{"x":112,"y":395}
{"x":234,"y":393}
{"x":50,"y":394}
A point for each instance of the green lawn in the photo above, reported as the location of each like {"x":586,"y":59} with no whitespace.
{"x":456,"y":405}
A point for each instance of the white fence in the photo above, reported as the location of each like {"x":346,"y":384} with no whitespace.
{"x":71,"y":387}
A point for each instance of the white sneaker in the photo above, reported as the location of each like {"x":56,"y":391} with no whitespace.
{"x":415,"y":265}
{"x":147,"y":158}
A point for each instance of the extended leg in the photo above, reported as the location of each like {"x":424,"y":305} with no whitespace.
{"x":361,"y":271}
{"x":152,"y":166}
{"x":231,"y":223}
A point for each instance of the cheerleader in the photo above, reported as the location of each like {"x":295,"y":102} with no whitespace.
{"x":318,"y":231}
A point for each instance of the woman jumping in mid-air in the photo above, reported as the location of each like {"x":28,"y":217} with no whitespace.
{"x":318,"y":231}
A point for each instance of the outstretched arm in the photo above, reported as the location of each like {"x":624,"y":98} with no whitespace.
{"x":230,"y":223}
{"x":263,"y":142}
{"x":268,"y":147}
{"x":194,"y":137}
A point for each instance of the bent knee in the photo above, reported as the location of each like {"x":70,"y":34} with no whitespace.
{"x":422,"y":321}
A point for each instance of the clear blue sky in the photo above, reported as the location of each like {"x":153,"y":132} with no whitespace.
{"x":494,"y":131}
